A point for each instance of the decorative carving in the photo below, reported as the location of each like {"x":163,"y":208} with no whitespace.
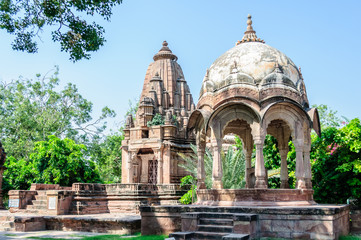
{"x":250,"y":34}
{"x":129,"y":121}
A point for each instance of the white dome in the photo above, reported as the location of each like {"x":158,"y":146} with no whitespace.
{"x":252,"y":62}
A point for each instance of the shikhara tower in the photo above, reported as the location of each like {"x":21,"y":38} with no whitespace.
{"x":150,"y":153}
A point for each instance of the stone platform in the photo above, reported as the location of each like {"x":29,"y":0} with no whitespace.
{"x":292,"y":222}
{"x":99,"y":223}
{"x":255,"y":197}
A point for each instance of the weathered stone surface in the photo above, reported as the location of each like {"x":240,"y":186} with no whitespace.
{"x":150,"y":153}
{"x":308,"y":222}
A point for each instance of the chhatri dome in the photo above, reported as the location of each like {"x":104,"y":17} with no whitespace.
{"x":250,"y":91}
{"x":255,"y":65}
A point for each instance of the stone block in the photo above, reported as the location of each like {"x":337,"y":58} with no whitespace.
{"x":244,"y":227}
{"x":265,"y":225}
{"x":322,"y":236}
{"x":313,"y":226}
{"x":283,"y":226}
{"x":300,"y":235}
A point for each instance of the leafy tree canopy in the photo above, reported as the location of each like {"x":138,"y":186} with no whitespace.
{"x":31,"y":110}
{"x":58,"y":161}
{"x":27,"y":18}
{"x":336,"y":164}
{"x":55,"y":161}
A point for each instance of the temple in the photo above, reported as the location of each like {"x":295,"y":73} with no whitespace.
{"x":253,"y":90}
{"x":152,"y":142}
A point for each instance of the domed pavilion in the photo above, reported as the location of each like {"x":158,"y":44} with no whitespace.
{"x":253,"y":90}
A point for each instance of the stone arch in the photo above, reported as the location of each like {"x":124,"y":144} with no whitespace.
{"x":231,"y":111}
{"x":299,"y":123}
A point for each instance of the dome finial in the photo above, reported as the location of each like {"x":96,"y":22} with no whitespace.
{"x":250,"y":34}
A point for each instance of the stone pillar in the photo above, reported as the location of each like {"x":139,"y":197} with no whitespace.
{"x":300,"y":172}
{"x":167,"y":165}
{"x":201,"y":174}
{"x":159,"y":157}
{"x":260,"y":170}
{"x":130,"y":168}
{"x":248,"y":158}
{"x":284,"y":169}
{"x":217,"y":164}
{"x":307,"y":165}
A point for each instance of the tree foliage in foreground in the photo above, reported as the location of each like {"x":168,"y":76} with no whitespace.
{"x":55,"y":161}
{"x":26,"y":19}
{"x":31,"y":110}
{"x":336,"y":164}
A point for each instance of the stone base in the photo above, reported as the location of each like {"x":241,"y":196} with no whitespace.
{"x":93,"y":198}
{"x":301,"y":222}
{"x":355,"y":221}
{"x":255,"y":197}
{"x":101,"y":223}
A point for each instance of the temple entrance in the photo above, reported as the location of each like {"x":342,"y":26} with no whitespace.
{"x":152,"y":171}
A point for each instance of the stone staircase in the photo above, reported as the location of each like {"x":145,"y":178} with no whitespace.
{"x":7,"y":224}
{"x":39,"y":204}
{"x":225,"y":226}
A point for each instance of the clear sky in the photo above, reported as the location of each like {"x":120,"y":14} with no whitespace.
{"x":322,"y":37}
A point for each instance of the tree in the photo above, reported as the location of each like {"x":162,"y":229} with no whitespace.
{"x":336,"y":164}
{"x":31,"y":110}
{"x":25,"y":19}
{"x":55,"y":161}
{"x":328,"y":117}
{"x":107,"y":154}
{"x":61,"y":161}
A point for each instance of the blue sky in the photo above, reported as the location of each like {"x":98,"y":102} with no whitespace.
{"x":322,"y":37}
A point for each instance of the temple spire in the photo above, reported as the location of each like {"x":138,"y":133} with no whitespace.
{"x":250,"y":34}
{"x":165,"y":53}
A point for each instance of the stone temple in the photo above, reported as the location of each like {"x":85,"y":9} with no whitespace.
{"x":253,"y":90}
{"x":150,"y":153}
{"x":250,"y":91}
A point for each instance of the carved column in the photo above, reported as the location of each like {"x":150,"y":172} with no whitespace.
{"x":131,"y":156}
{"x":284,"y":169}
{"x":307,"y":165}
{"x":260,"y":170}
{"x":158,"y":156}
{"x":248,"y":158}
{"x":300,"y":171}
{"x":217,"y":164}
{"x":201,"y":174}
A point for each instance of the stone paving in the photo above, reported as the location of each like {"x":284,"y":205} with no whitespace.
{"x":45,"y":234}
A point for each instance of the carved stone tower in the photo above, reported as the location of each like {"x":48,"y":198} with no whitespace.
{"x":152,"y":143}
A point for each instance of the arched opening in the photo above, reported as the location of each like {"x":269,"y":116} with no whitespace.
{"x":275,"y":151}
{"x":237,"y":167}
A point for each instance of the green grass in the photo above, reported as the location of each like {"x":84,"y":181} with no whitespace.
{"x":10,"y":235}
{"x":351,"y":237}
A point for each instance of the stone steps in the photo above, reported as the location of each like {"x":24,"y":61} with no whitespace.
{"x":226,"y":226}
{"x":215,"y":221}
{"x":215,"y":228}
